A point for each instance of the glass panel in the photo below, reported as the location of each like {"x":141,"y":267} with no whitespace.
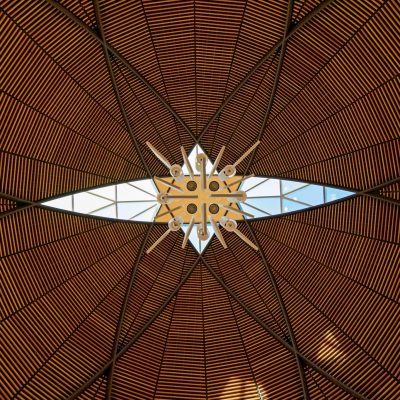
{"x":333,"y":194}
{"x":108,"y":192}
{"x":288,"y":186}
{"x":108,"y":212}
{"x":268,"y":188}
{"x":289,"y":206}
{"x":272,"y":205}
{"x":310,"y":194}
{"x":147,"y":185}
{"x":147,"y":215}
{"x":253,"y":211}
{"x":128,"y":192}
{"x":64,"y":203}
{"x":251,"y":182}
{"x":86,"y":202}
{"x":131,"y":209}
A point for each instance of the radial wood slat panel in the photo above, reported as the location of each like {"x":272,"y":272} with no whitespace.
{"x":6,"y":205}
{"x":58,"y":151}
{"x":321,"y":388}
{"x":157,"y":275}
{"x":391,"y":191}
{"x":249,"y":280}
{"x":239,"y":125}
{"x":97,"y":391}
{"x":347,"y":333}
{"x":83,"y":9}
{"x":340,"y":125}
{"x":150,"y":121}
{"x":75,"y":55}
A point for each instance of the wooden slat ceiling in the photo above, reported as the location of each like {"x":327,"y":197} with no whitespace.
{"x":86,"y":314}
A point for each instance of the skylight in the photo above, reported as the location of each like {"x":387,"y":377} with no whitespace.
{"x":255,"y":197}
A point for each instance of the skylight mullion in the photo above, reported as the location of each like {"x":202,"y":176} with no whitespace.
{"x":143,"y":211}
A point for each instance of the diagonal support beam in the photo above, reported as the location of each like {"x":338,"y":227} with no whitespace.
{"x":110,"y":372}
{"x":289,"y":347}
{"x":262,"y":60}
{"x":300,"y":365}
{"x":116,"y":89}
{"x":116,"y":54}
{"x":138,"y":335}
{"x":276,"y":82}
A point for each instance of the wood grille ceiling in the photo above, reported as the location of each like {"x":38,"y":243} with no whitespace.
{"x":86,"y":314}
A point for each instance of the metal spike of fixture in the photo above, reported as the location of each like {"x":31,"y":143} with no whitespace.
{"x":200,"y":195}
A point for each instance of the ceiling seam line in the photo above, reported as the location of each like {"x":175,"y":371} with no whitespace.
{"x":280,"y":340}
{"x":275,"y":84}
{"x":334,"y":114}
{"x":123,"y":308}
{"x":343,"y":46}
{"x":284,"y":312}
{"x":321,"y":6}
{"x":230,"y":69}
{"x":43,"y":295}
{"x":113,"y":51}
{"x":128,"y":330}
{"x":243,"y":344}
{"x":116,"y":88}
{"x":330,"y":268}
{"x":336,"y":157}
{"x":159,"y":66}
{"x":87,"y":93}
{"x":256,"y":290}
{"x":120,"y":353}
{"x":347,"y":335}
{"x":167,"y":336}
{"x":53,"y":164}
{"x":64,"y":342}
{"x":145,"y":112}
{"x":42,"y":113}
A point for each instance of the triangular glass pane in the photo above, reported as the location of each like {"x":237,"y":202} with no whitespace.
{"x":310,"y":194}
{"x":86,"y":202}
{"x":257,"y":213}
{"x":270,"y":187}
{"x":107,"y":212}
{"x":332,"y":194}
{"x":251,"y":183}
{"x":128,"y":210}
{"x":148,"y":215}
{"x":204,"y":243}
{"x":147,"y":185}
{"x":64,"y":203}
{"x":192,"y":158}
{"x":127,"y":192}
{"x":289,"y":206}
{"x":107,"y":191}
{"x":288,"y":186}
{"x":193,"y":238}
{"x":272,"y":205}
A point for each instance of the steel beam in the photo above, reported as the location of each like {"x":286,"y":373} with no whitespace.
{"x":119,"y":354}
{"x":282,"y":307}
{"x":262,"y":60}
{"x":289,"y":347}
{"x":116,"y":54}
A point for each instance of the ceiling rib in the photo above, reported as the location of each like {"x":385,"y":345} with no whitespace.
{"x":116,"y":89}
{"x":279,"y":339}
{"x":276,"y":81}
{"x":110,"y":372}
{"x":300,"y":365}
{"x":287,"y":35}
{"x":116,"y":54}
{"x":120,"y":353}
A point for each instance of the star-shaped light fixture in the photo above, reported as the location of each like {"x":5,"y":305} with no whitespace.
{"x":201,"y":198}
